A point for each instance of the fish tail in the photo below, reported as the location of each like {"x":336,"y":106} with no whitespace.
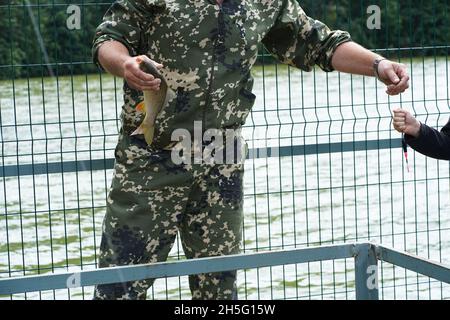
{"x":148,"y":134}
{"x":139,"y":130}
{"x":147,"y":131}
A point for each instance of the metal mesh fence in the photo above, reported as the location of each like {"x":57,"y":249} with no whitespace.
{"x":339,"y":177}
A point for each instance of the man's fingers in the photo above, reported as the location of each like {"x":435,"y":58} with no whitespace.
{"x":140,"y":87}
{"x":392,"y":75}
{"x":403,"y":84}
{"x":396,"y":78}
{"x":132,"y":67}
{"x":395,"y":90}
{"x":141,"y":74}
{"x":140,"y":84}
{"x":157,"y":64}
{"x":402,"y":72}
{"x":153,"y":87}
{"x":391,"y":90}
{"x":147,"y":79}
{"x":139,"y":79}
{"x":134,"y":82}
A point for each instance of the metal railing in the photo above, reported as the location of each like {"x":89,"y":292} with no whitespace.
{"x":326,"y":165}
{"x":366,"y":257}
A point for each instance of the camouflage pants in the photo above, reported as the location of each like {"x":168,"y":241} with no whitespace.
{"x":152,"y":200}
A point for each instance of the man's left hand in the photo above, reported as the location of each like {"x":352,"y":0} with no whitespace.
{"x":394,"y":75}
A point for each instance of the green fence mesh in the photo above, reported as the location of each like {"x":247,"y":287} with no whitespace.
{"x":339,"y":177}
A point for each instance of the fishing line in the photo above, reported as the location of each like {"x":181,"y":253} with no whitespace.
{"x":39,"y":38}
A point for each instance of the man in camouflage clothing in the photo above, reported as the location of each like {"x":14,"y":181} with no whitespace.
{"x":206,"y":49}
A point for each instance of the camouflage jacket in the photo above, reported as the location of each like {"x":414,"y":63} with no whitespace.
{"x":208,"y":51}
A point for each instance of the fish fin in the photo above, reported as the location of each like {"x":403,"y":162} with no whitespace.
{"x":170,"y":95}
{"x":139,"y":130}
{"x":148,"y":133}
{"x":141,"y":107}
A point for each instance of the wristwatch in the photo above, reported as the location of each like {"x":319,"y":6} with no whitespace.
{"x":376,"y":63}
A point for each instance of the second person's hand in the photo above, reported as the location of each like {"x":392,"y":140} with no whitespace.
{"x":404,"y":122}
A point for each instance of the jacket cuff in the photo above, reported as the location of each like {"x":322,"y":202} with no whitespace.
{"x":105,"y":38}
{"x":422,"y":132}
{"x":337,"y":38}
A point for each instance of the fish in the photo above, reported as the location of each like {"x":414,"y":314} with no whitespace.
{"x":154,"y":101}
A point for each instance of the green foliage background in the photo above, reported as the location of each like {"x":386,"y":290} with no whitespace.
{"x":406,"y":24}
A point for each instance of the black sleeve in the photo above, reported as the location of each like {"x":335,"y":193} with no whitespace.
{"x":431,"y":142}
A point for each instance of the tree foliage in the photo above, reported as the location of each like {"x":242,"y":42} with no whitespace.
{"x":405,"y":24}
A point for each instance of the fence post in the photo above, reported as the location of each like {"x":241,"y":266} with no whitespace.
{"x":366,"y":272}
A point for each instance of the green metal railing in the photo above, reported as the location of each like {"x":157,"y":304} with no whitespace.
{"x":325,"y":165}
{"x":366,"y":256}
